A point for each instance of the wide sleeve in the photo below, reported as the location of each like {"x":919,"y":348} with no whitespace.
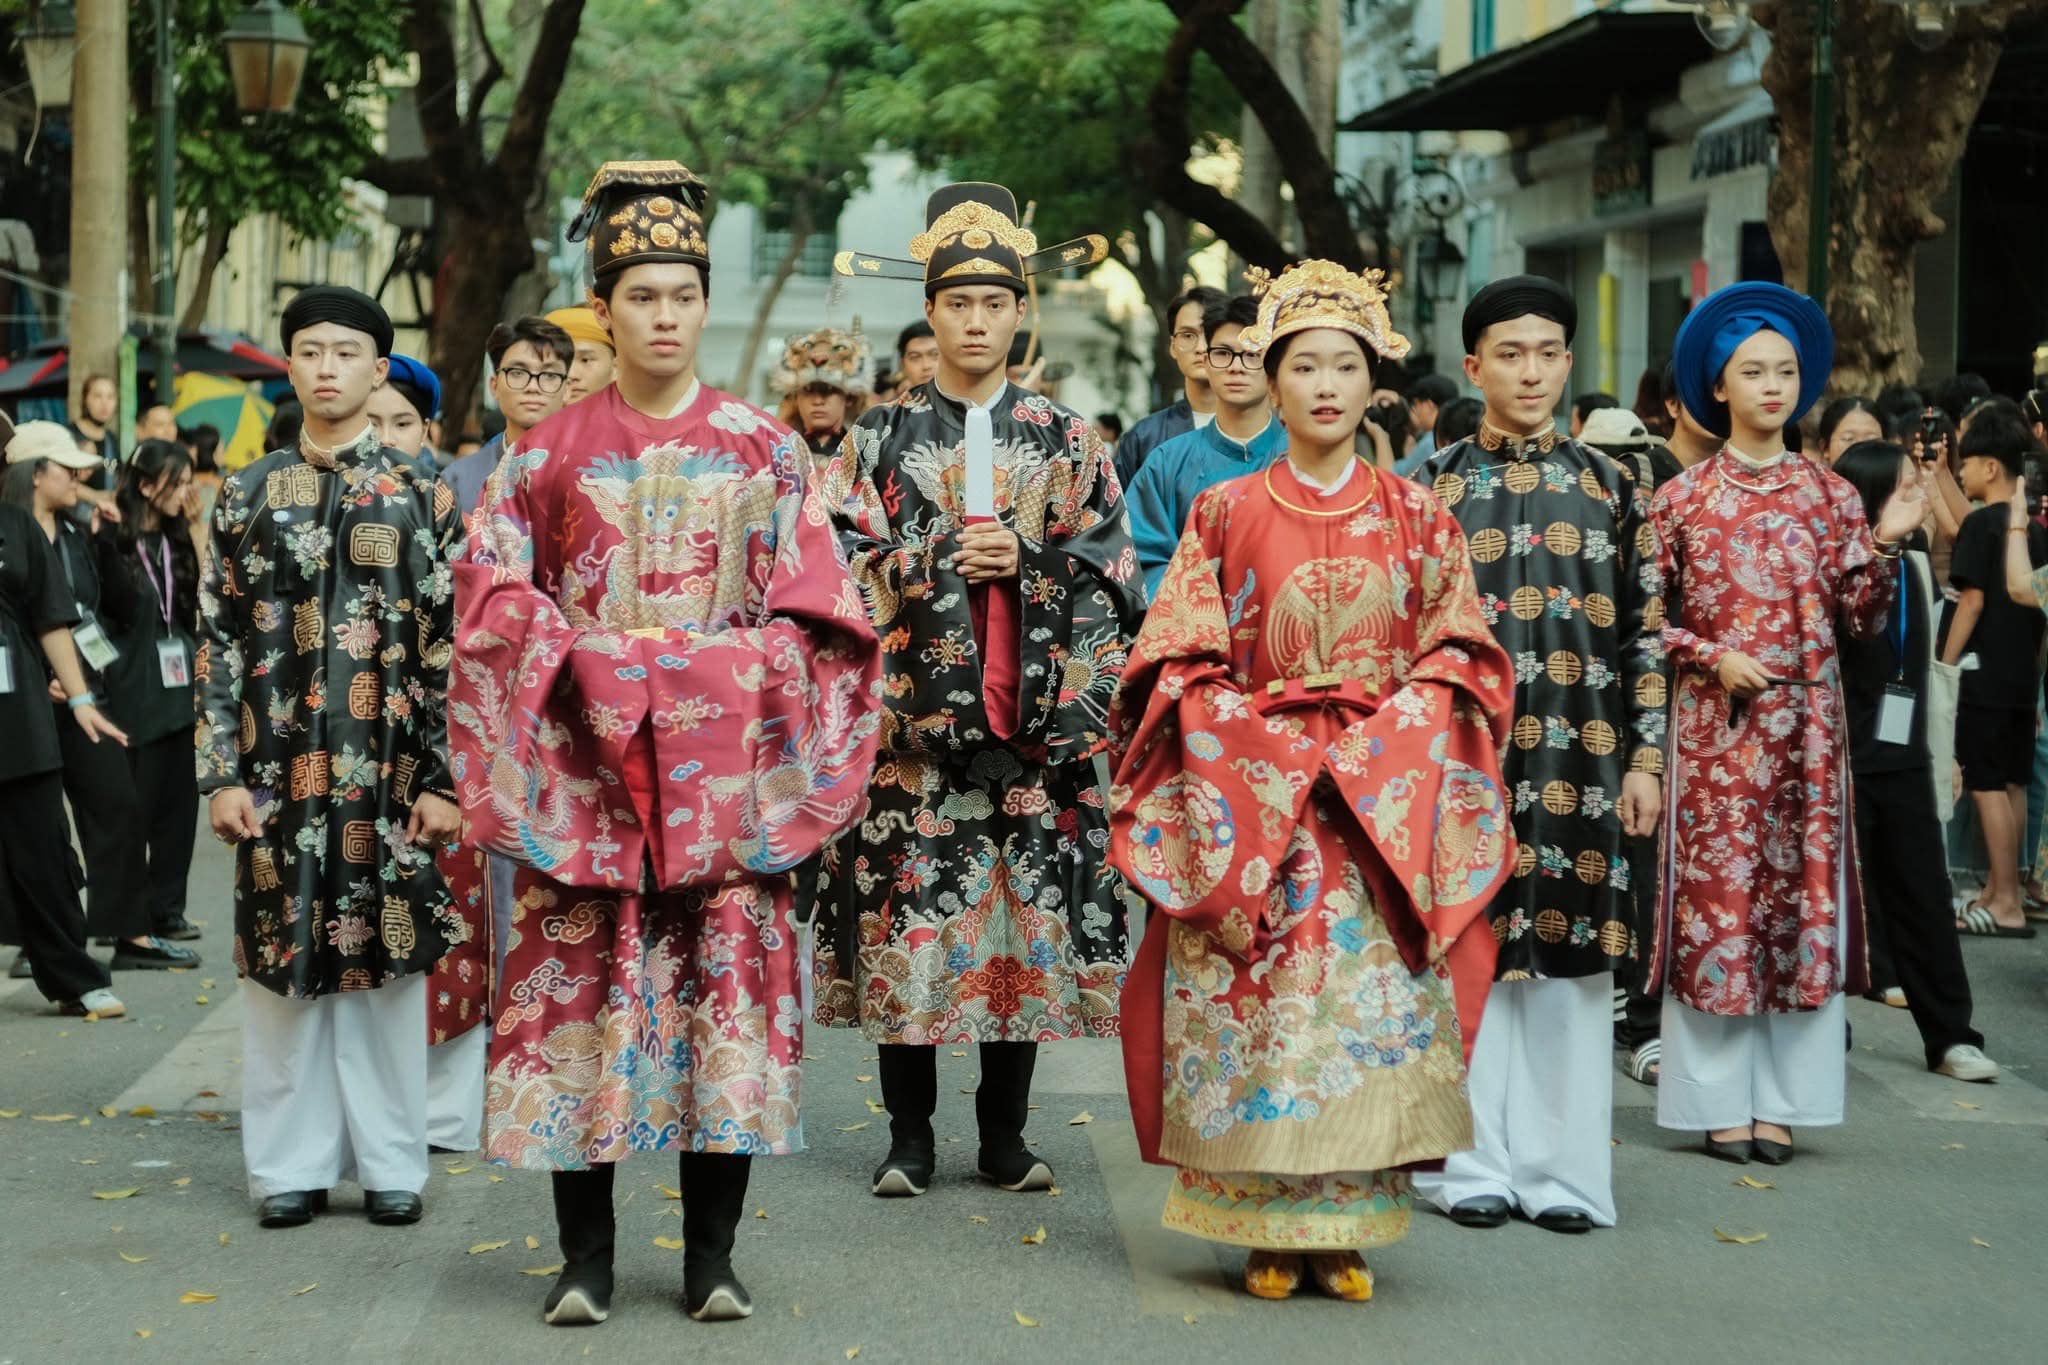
{"x":219,"y":667}
{"x":1683,"y":647}
{"x":1079,"y":594}
{"x":761,"y":732}
{"x":1155,"y":529}
{"x":1639,"y":620}
{"x":435,"y":615}
{"x":1865,"y":583}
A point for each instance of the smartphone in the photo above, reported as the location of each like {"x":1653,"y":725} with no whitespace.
{"x":1930,"y":434}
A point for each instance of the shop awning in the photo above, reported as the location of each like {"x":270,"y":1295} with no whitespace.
{"x":1568,"y":72}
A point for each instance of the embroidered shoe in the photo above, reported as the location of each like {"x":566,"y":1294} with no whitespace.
{"x":1272,"y":1275}
{"x":1342,"y":1275}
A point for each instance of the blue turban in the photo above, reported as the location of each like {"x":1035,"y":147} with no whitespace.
{"x":419,"y":385}
{"x":1728,"y":317}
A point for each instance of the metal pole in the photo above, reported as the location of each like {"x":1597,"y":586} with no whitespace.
{"x":1820,"y":206}
{"x":166,"y":329}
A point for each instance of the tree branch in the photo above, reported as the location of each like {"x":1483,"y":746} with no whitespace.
{"x":526,"y":132}
{"x":414,"y":175}
{"x":494,"y":70}
{"x":451,"y":149}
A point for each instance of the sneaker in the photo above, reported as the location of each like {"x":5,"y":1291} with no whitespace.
{"x":20,"y":971}
{"x":1966,"y":1063}
{"x":151,"y":955}
{"x":101,"y":1002}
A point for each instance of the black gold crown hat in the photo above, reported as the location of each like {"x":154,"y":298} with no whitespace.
{"x":637,"y":212}
{"x":972,"y":236}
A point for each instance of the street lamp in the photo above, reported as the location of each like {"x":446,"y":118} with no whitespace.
{"x":49,"y":41}
{"x":1723,"y":23}
{"x":1442,"y":267}
{"x":267,"y":48}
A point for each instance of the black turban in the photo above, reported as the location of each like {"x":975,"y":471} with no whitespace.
{"x":1518,"y":296}
{"x":350,"y":308}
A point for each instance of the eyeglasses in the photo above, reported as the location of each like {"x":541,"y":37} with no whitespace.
{"x":519,"y":377}
{"x":1186,"y":336}
{"x":1222,"y":358}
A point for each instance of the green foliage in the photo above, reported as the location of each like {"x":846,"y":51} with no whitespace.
{"x":1044,"y":96}
{"x":232,"y":166}
{"x":750,"y":94}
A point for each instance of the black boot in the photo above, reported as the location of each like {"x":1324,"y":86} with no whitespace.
{"x":714,"y":1197}
{"x":1001,"y":1106}
{"x":583,"y":1224}
{"x":910,"y":1091}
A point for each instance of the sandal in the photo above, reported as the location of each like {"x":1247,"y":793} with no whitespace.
{"x":1643,"y":1061}
{"x":1272,"y":1275}
{"x":1342,"y":1275}
{"x":1978,"y":921}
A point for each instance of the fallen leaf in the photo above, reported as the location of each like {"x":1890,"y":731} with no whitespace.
{"x":53,"y":1118}
{"x":481,"y":1247}
{"x":796,"y":1310}
{"x":206,"y":1116}
{"x":142,"y":1111}
{"x":117,"y":1194}
{"x":864,"y":1079}
{"x":1053,"y":1190}
{"x":959,"y":1054}
{"x":852,"y":1351}
{"x":132,"y":1260}
{"x":142,"y":1332}
{"x":194,"y":1296}
{"x":1083,"y":1117}
{"x":223,"y":1239}
{"x":10,"y":1113}
{"x":1188,"y":1318}
{"x":760,"y":1213}
{"x":201,"y":1000}
{"x":307,"y":1290}
{"x":1740,"y":1239}
{"x":212,"y":1094}
{"x":967,"y":1092}
{"x":1034,"y":1239}
{"x":1951,"y":1146}
{"x":1980,"y":1242}
{"x":875,"y":1107}
{"x":108,"y":1111}
{"x":1750,"y":1182}
{"x":182,"y":1181}
{"x":495,"y":1179}
{"x":668,"y":1193}
{"x":976,"y":1218}
{"x":554,"y":1269}
{"x":1023,"y":1321}
{"x":206,"y":983}
{"x":532,"y":1243}
{"x":1965,"y":1104}
{"x":460,"y":1170}
{"x":85,"y":1123}
{"x":88,"y":1161}
{"x":856,"y":1127}
{"x":669,"y":1243}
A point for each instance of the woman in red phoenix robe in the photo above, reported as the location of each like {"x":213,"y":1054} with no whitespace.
{"x":1311,"y":796}
{"x":1763,"y":550}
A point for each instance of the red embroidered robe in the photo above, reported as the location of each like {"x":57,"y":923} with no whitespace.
{"x":1761,"y":912}
{"x":1298,"y":830}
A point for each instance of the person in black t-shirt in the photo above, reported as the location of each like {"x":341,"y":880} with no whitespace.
{"x":1997,"y":642}
{"x":1906,"y":897}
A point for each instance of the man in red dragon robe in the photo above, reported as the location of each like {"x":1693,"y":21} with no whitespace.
{"x":663,"y":699}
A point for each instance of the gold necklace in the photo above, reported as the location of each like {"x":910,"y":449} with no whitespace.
{"x":1372,"y":487}
{"x":1729,"y":460}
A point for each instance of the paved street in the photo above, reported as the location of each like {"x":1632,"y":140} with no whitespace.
{"x":1912,"y":1233}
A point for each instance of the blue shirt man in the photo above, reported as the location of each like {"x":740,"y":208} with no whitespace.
{"x":1166,"y":486}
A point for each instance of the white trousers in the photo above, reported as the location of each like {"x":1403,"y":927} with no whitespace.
{"x":335,"y":1089}
{"x":455,"y":1090}
{"x":1542,"y":1088}
{"x":1721,"y":1071}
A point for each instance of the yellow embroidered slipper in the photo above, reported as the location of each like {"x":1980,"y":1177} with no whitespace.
{"x":1343,"y":1275}
{"x":1272,"y":1274}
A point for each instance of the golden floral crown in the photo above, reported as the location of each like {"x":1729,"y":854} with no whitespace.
{"x":978,"y":226}
{"x":1322,"y":294}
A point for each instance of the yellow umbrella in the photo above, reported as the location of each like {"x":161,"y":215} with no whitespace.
{"x":233,"y":408}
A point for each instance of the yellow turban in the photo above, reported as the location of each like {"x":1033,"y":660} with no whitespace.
{"x":581,"y":324}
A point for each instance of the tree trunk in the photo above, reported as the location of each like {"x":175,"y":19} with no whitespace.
{"x":212,"y":251}
{"x":468,"y":299}
{"x":1258,"y":182}
{"x":1902,"y":118}
{"x":800,"y":230}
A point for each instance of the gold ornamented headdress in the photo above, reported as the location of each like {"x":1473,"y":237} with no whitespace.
{"x":833,"y":356}
{"x":1322,"y":294}
{"x":972,"y":236}
{"x":636,"y":212}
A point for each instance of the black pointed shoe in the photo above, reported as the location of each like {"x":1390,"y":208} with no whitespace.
{"x":1772,"y":1153}
{"x":393,"y":1208}
{"x":1016,"y":1169}
{"x":156,"y":955}
{"x":714,"y":1196}
{"x":1564,"y":1218}
{"x":1480,"y":1211}
{"x":906,"y":1171}
{"x":586,"y":1230}
{"x":1727,"y":1149}
{"x":292,"y":1209}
